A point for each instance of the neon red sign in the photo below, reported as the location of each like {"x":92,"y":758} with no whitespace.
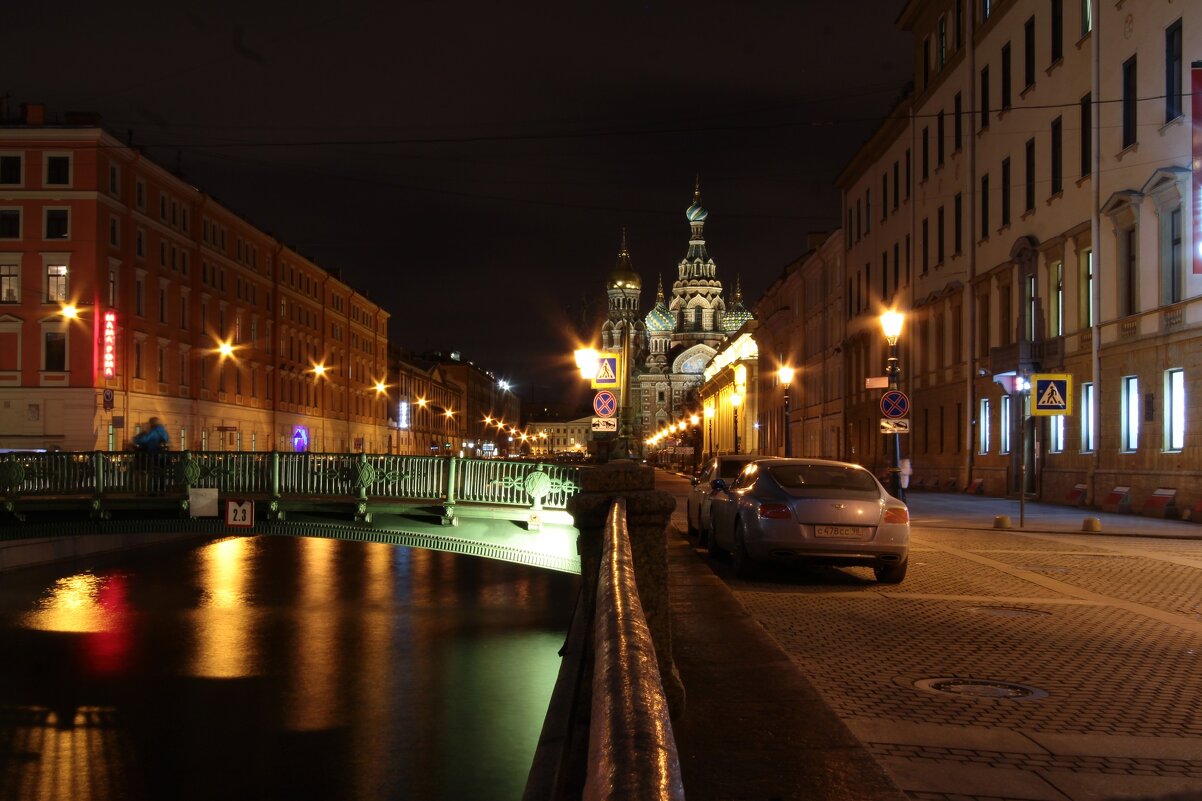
{"x":108,"y":340}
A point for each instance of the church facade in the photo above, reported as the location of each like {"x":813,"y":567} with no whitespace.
{"x":671,"y":345}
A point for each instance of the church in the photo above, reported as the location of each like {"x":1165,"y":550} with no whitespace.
{"x":671,"y":345}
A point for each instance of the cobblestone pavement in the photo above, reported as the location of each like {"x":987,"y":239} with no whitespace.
{"x":1016,"y":666}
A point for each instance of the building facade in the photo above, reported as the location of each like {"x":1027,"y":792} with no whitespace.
{"x":1029,"y":205}
{"x":127,"y":293}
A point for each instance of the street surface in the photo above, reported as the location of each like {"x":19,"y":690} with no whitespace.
{"x":1042,"y":664}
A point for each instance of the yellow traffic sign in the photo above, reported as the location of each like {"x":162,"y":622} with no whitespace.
{"x":608,"y":371}
{"x":1051,"y":394}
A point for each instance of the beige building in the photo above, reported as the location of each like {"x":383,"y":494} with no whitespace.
{"x":551,"y":437}
{"x":1028,"y":207}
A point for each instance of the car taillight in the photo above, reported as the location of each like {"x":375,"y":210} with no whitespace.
{"x":897,"y":515}
{"x":775,"y":511}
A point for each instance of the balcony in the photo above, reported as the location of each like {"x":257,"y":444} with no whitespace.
{"x":1027,"y":357}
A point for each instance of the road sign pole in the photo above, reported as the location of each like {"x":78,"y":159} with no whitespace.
{"x":893,"y":370}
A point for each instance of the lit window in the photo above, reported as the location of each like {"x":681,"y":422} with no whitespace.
{"x":1174,"y":409}
{"x":1087,"y":418}
{"x":983,"y":423}
{"x":1004,"y":425}
{"x":1130,"y":412}
{"x":1056,"y":434}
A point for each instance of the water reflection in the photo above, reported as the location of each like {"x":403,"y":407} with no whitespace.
{"x":278,"y":668}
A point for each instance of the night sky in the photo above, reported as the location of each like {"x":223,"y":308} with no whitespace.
{"x":470,"y":166}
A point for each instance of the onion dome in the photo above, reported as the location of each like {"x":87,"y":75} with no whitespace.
{"x":696,"y":213}
{"x":623,"y":275}
{"x":736,"y":313}
{"x":659,"y":320}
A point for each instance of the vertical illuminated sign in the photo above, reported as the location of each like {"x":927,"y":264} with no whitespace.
{"x":402,"y":414}
{"x":108,"y":340}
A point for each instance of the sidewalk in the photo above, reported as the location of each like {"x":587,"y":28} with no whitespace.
{"x":956,"y":510}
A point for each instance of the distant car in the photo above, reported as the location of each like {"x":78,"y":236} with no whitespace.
{"x":793,"y":510}
{"x":726,"y":467}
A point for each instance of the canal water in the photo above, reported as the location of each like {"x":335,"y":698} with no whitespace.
{"x":277,"y":668}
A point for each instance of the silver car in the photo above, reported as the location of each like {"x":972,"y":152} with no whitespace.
{"x":789,"y":510}
{"x":726,"y":467}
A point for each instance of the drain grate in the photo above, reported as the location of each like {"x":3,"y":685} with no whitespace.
{"x":1007,"y":611}
{"x":988,"y":689}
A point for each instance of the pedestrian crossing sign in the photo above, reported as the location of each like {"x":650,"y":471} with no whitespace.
{"x":1051,"y":394}
{"x":607,"y":376}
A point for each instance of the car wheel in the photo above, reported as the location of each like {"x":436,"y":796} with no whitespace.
{"x":711,"y":540}
{"x":742,"y":562}
{"x":891,"y":574}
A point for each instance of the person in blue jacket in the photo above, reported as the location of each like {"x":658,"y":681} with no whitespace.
{"x":153,"y":439}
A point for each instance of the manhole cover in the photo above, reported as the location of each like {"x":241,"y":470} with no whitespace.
{"x":1007,"y":611}
{"x":982,"y":688}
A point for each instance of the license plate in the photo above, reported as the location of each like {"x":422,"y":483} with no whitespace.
{"x":841,"y":532}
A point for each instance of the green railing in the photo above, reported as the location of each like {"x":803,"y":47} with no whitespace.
{"x":364,"y":478}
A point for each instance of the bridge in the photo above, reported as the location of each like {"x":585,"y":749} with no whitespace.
{"x":608,"y":732}
{"x":513,"y":511}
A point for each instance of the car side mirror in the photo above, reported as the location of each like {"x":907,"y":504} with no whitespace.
{"x":719,"y":485}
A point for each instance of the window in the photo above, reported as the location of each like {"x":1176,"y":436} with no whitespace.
{"x":1128,"y":276}
{"x":1006,"y":67}
{"x":867,"y":211}
{"x":1029,"y":190}
{"x":114,"y":232}
{"x":1056,"y":318}
{"x":114,"y":180}
{"x":1029,"y":53}
{"x":1174,"y":264}
{"x":1086,"y":135}
{"x":58,"y":224}
{"x":926,"y":142}
{"x":926,"y":61}
{"x":957,"y":122}
{"x":138,"y":347}
{"x":1174,"y":409}
{"x":10,"y":283}
{"x":884,"y":196}
{"x":940,"y":139}
{"x":1057,"y":30}
{"x":1057,"y":157}
{"x":959,"y":23}
{"x":1087,"y":418}
{"x":1004,"y":425}
{"x":112,"y":288}
{"x":162,"y":373}
{"x":1056,"y":434}
{"x":1005,"y":192}
{"x":986,"y":7}
{"x":907,"y":173}
{"x":983,"y":426}
{"x":1129,"y":101}
{"x":56,"y":283}
{"x":1086,"y":284}
{"x":10,"y":223}
{"x":1172,"y":72}
{"x":896,"y":189}
{"x":183,"y":311}
{"x":162,"y":304}
{"x":926,"y":246}
{"x":54,"y":351}
{"x":941,"y":43}
{"x":139,"y":297}
{"x":1130,"y":412}
{"x":10,"y":170}
{"x":1086,"y":16}
{"x":140,"y":194}
{"x":958,"y":224}
{"x":58,"y":170}
{"x":985,"y":206}
{"x":939,"y":236}
{"x":984,"y":97}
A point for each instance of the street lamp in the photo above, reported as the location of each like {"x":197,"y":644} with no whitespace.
{"x":785,"y":375}
{"x":736,"y":400}
{"x":891,"y":324}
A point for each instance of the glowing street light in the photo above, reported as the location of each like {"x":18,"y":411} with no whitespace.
{"x":785,"y":375}
{"x":891,"y":325}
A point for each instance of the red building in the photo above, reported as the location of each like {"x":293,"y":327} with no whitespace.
{"x":126,"y":293}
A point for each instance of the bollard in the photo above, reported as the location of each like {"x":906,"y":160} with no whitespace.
{"x":1001,"y":521}
{"x":1091,"y":524}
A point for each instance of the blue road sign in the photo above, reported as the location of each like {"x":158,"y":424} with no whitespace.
{"x":605,"y":404}
{"x":895,"y":404}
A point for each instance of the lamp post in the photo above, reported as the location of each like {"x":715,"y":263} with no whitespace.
{"x":695,"y":420}
{"x":785,"y":375}
{"x":891,"y":324}
{"x":736,"y":400}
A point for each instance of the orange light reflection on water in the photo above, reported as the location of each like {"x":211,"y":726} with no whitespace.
{"x":225,"y":617}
